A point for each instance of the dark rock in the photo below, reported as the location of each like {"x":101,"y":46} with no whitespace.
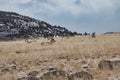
{"x":63,"y":57}
{"x":116,"y":64}
{"x":13,"y":65}
{"x":52,"y":69}
{"x":84,"y":62}
{"x":28,"y":78}
{"x":55,"y":75}
{"x":105,"y":64}
{"x":5,"y":70}
{"x":33,"y":73}
{"x":18,"y":52}
{"x":81,"y":76}
{"x":85,"y":67}
{"x":110,"y":65}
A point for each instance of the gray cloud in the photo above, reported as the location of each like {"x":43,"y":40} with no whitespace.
{"x":74,"y":7}
{"x":81,"y":14}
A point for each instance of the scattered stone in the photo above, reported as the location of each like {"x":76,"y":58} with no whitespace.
{"x":63,"y":57}
{"x":52,"y":69}
{"x":105,"y":64}
{"x":5,"y":70}
{"x":45,"y":60}
{"x":13,"y":65}
{"x":18,"y":52}
{"x":81,"y":76}
{"x":84,"y":62}
{"x":85,"y":66}
{"x":33,"y":73}
{"x":28,"y":78}
{"x":55,"y":75}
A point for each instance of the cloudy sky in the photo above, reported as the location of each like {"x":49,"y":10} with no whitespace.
{"x":77,"y":15}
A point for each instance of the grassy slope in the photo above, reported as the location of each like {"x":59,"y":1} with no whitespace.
{"x":104,"y":46}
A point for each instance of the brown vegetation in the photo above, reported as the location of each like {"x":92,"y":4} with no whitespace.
{"x":97,"y":57}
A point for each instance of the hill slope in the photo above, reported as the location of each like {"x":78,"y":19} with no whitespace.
{"x":71,"y":55}
{"x":14,"y":25}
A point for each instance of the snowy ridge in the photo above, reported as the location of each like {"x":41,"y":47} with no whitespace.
{"x":14,"y":25}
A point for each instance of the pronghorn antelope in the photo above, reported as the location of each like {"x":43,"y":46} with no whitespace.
{"x":52,"y":40}
{"x":48,"y":43}
{"x":93,"y":35}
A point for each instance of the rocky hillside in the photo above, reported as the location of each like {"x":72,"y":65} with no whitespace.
{"x":14,"y":25}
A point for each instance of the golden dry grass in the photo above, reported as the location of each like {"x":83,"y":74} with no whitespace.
{"x":65,"y":53}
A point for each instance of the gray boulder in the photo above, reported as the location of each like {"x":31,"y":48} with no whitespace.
{"x":81,"y":76}
{"x":28,"y":78}
{"x":55,"y":75}
{"x":110,"y":65}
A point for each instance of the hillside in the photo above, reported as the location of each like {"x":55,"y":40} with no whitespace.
{"x":14,"y":25}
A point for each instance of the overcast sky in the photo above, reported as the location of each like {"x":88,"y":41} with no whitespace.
{"x":76,"y":15}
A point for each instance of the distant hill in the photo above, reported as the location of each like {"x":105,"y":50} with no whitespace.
{"x":14,"y":25}
{"x":112,"y":33}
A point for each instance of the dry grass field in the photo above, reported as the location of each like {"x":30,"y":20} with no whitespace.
{"x":71,"y":54}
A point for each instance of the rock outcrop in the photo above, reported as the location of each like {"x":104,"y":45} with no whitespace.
{"x":55,"y":74}
{"x":28,"y":78}
{"x":110,"y":65}
{"x":81,"y":76}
